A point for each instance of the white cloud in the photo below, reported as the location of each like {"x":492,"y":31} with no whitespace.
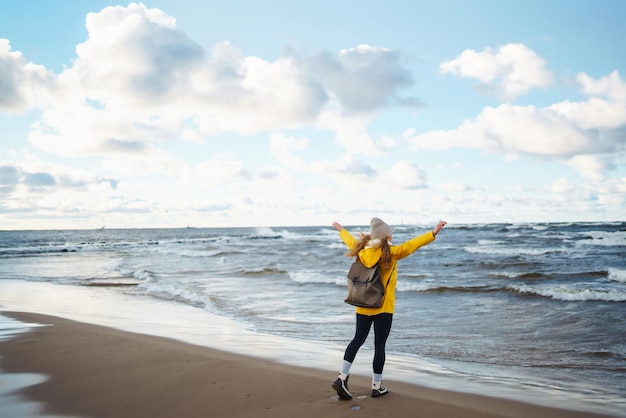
{"x":348,"y":170}
{"x":355,"y":173}
{"x":562,"y":186}
{"x":281,"y":146}
{"x":352,"y":133}
{"x":403,"y":175}
{"x":611,"y":86}
{"x":592,"y":167}
{"x":605,"y":195}
{"x":36,"y":176}
{"x":138,"y":80}
{"x":561,"y":131}
{"x":221,"y":171}
{"x":33,"y":192}
{"x":21,"y":82}
{"x":594,"y":113}
{"x":455,"y":187}
{"x":512,"y":129}
{"x":144,"y":164}
{"x":363,"y":78}
{"x":511,"y":71}
{"x":606,"y":107}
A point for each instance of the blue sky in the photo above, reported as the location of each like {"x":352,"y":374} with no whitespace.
{"x":202,"y":113}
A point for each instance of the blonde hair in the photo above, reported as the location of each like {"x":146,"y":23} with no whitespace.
{"x":363,"y":240}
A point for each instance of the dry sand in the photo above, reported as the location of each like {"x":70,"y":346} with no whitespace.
{"x":103,"y":372}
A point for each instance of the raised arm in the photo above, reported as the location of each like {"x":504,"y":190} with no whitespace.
{"x":439,"y":227}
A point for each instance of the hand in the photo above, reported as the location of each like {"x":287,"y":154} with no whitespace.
{"x":337,"y":226}
{"x":439,"y":227}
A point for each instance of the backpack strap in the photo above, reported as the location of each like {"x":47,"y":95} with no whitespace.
{"x":390,"y":274}
{"x":388,"y":280}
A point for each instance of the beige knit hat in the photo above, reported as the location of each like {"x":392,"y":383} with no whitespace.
{"x":379,"y":229}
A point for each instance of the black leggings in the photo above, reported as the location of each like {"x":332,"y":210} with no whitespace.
{"x":382,"y":327}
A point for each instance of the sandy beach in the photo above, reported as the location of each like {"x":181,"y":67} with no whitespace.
{"x":97,"y":371}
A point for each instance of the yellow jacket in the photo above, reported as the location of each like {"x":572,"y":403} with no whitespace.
{"x":369,"y":257}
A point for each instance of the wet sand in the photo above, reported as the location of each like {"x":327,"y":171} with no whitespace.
{"x":97,"y":371}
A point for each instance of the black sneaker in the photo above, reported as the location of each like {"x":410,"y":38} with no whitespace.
{"x":341,"y":386}
{"x":377,"y":393}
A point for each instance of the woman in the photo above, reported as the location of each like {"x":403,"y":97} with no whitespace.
{"x":372,"y":248}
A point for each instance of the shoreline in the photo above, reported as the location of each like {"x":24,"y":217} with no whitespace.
{"x":100,"y":371}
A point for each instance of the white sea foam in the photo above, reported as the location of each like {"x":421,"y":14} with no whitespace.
{"x":119,"y":267}
{"x":509,"y":274}
{"x":415,"y":286}
{"x":617,"y":238}
{"x":539,"y":227}
{"x":311,"y":276}
{"x":617,"y":275}
{"x":265,"y":232}
{"x":509,"y":250}
{"x":489,"y":242}
{"x":142,"y":274}
{"x":320,"y":235}
{"x":114,"y":265}
{"x":9,"y":327}
{"x":175,"y":290}
{"x":567,"y":293}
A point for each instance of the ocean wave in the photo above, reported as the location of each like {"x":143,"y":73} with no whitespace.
{"x":532,"y":276}
{"x":69,"y":247}
{"x":315,"y":277}
{"x":602,"y":238}
{"x":258,"y":237}
{"x":562,"y":292}
{"x":483,"y":242}
{"x":507,"y":274}
{"x":539,"y":227}
{"x":323,"y":234}
{"x":33,"y":251}
{"x":188,"y":251}
{"x":109,"y":283}
{"x":512,"y":251}
{"x":617,"y":275}
{"x":269,"y":233}
{"x":517,"y":275}
{"x":142,"y":274}
{"x":305,"y":235}
{"x":211,"y":252}
{"x":114,"y":281}
{"x":535,"y":275}
{"x":123,"y":271}
{"x":605,"y":354}
{"x":432,"y":288}
{"x":185,"y":292}
{"x":261,"y":271}
{"x":572,"y":294}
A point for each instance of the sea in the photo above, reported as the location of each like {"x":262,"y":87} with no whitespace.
{"x":534,"y":312}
